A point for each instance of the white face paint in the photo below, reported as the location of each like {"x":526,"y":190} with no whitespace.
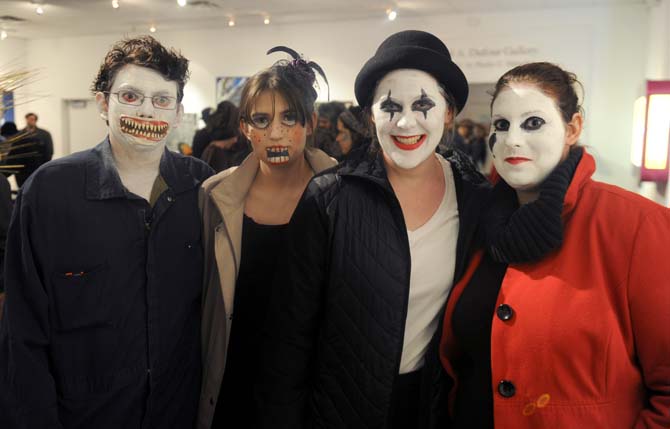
{"x":409,"y":112}
{"x":528,"y":136}
{"x":142,"y":127}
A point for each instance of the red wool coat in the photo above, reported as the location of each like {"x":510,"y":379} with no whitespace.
{"x":588,"y":345}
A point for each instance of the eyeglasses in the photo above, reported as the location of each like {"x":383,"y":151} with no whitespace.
{"x":133,"y":98}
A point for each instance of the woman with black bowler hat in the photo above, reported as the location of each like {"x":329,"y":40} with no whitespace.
{"x":374,"y":247}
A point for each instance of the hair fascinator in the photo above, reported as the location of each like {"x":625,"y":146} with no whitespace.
{"x":301,"y":69}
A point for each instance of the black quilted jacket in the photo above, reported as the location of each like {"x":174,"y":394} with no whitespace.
{"x":335,"y":334}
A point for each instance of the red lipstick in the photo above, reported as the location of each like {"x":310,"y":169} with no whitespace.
{"x":514,"y":160}
{"x":408,"y":142}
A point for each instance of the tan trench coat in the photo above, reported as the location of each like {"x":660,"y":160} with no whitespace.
{"x":222,"y":202}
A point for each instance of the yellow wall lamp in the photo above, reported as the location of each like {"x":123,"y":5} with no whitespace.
{"x":651,"y":133}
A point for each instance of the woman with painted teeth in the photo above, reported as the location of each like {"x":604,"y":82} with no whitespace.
{"x":245,"y":212}
{"x":373,"y":249}
{"x":562,"y":322}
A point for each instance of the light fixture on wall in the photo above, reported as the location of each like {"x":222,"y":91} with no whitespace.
{"x":39,"y":9}
{"x":3,"y":35}
{"x":152,"y":29}
{"x":391,"y":14}
{"x":231,"y":22}
{"x":182,"y":3}
{"x":266,"y":21}
{"x":651,"y":132}
{"x":115,"y":4}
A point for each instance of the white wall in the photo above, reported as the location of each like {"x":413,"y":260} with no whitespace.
{"x":606,"y":47}
{"x":13,"y":57}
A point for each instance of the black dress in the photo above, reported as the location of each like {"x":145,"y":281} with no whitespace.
{"x":258,"y":263}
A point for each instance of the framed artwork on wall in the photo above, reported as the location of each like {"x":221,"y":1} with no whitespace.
{"x":230,"y":88}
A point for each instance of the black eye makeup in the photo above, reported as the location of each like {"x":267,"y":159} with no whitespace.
{"x":533,"y":123}
{"x":289,"y":118}
{"x":501,"y":125}
{"x":390,"y":106}
{"x":423,"y":104}
{"x":260,"y":120}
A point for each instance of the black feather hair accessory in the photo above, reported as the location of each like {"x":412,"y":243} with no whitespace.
{"x":303,"y":68}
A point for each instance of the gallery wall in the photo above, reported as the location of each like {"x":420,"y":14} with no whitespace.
{"x":605,"y":46}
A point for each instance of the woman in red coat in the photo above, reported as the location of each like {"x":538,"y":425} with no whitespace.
{"x":563,"y":321}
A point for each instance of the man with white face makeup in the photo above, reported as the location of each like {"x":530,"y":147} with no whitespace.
{"x":358,"y":348}
{"x":104,"y":265}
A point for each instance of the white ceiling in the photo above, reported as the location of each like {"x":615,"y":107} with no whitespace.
{"x":87,"y":17}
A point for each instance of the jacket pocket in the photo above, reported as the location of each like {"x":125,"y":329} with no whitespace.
{"x":79,"y":298}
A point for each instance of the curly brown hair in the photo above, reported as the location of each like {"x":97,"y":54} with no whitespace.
{"x":144,"y":51}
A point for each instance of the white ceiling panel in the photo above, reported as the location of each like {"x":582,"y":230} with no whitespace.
{"x":87,"y":17}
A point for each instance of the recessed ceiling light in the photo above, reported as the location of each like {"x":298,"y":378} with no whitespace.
{"x":231,"y":23}
{"x":182,"y":3}
{"x":152,"y":29}
{"x":3,"y":35}
{"x":39,"y":10}
{"x":392,"y":14}
{"x":115,"y":4}
{"x":266,"y":21}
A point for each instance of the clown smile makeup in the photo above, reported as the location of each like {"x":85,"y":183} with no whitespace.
{"x":409,"y":112}
{"x":153,"y":131}
{"x":528,"y":139}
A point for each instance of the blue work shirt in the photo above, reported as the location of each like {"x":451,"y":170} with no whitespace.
{"x":102,"y":317}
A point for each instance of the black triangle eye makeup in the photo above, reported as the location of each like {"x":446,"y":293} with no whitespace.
{"x":423,"y":105}
{"x":389,"y":106}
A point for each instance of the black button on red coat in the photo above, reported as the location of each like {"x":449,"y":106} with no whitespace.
{"x":504,"y":312}
{"x":506,"y":388}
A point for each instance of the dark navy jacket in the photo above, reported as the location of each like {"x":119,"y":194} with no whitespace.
{"x":102,"y":319}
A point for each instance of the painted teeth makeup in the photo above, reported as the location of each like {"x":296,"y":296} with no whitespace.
{"x":409,"y":112}
{"x":150,"y":130}
{"x":277,"y":154}
{"x":528,"y":139}
{"x":134,"y":121}
{"x":276,"y":134}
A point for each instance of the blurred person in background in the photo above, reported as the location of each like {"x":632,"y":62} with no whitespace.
{"x":468,"y":143}
{"x":201,"y":138}
{"x":326,"y":129}
{"x":353,"y":136}
{"x":32,"y":156}
{"x":226,"y":148}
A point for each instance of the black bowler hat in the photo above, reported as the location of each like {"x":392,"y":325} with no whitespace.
{"x":412,"y":49}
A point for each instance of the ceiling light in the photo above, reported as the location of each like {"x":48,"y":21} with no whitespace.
{"x":39,"y":10}
{"x":115,"y":4}
{"x":3,"y":35}
{"x":266,"y":21}
{"x":182,"y":3}
{"x":231,"y":23}
{"x":392,"y":14}
{"x":152,"y":29}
